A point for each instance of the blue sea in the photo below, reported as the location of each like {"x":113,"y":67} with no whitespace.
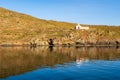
{"x":60,"y":63}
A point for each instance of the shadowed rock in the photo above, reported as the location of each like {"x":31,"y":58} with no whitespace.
{"x":51,"y":42}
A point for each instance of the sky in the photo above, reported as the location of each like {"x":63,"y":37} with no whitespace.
{"x":96,"y":12}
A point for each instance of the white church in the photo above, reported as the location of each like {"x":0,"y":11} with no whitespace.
{"x":79,"y":27}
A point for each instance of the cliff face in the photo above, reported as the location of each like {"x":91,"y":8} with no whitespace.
{"x":19,"y":29}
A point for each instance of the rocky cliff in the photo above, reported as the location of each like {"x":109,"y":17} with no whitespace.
{"x":22,"y":29}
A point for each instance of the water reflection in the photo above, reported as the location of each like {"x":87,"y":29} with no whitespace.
{"x":80,"y":61}
{"x":17,"y":60}
{"x":51,"y":48}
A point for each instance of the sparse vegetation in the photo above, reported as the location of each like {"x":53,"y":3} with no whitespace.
{"x":20,"y":28}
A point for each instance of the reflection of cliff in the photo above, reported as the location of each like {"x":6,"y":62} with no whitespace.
{"x":18,"y":60}
{"x":15,"y":61}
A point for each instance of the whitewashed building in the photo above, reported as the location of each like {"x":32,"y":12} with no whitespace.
{"x":79,"y":27}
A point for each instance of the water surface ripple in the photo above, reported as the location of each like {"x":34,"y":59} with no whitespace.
{"x":62,"y":63}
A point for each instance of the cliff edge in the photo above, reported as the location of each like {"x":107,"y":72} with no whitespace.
{"x":21,"y":29}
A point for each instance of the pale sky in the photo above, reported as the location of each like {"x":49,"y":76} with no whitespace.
{"x":101,"y":12}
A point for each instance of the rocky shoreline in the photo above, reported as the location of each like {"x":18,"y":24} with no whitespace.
{"x":22,"y":30}
{"x":52,"y":42}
